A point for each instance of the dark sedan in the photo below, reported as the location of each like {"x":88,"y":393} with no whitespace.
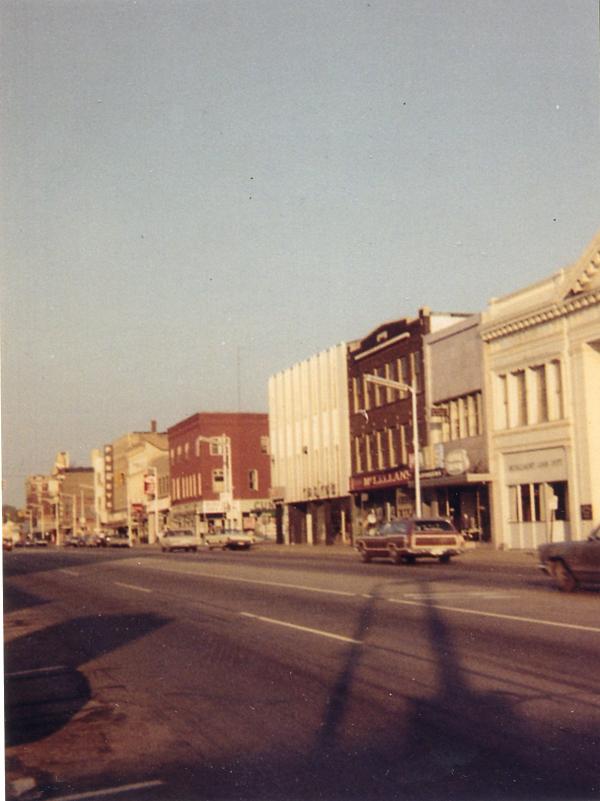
{"x":572,"y":563}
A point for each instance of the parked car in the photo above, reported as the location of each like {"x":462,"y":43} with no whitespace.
{"x":180,"y":539}
{"x":572,"y":563}
{"x":410,"y":539}
{"x":118,"y":539}
{"x":233,"y":539}
{"x":7,"y":543}
{"x":99,"y":539}
{"x":73,"y":541}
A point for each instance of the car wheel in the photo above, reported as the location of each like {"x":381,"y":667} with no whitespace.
{"x":194,"y":550}
{"x":410,"y":559}
{"x":564,"y":578}
{"x":445,"y":558}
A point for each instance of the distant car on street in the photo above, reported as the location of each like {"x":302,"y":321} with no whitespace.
{"x":409,"y":539}
{"x":118,"y":539}
{"x":572,"y":563}
{"x":7,"y":543}
{"x":179,"y":539}
{"x":233,"y":539}
{"x":99,"y":539}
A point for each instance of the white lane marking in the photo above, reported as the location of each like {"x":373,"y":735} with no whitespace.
{"x":69,"y":572}
{"x":495,"y":594}
{"x":131,"y":586}
{"x":123,"y":788}
{"x":37,"y":671}
{"x":501,"y":616}
{"x":301,"y":628}
{"x":255,"y":581}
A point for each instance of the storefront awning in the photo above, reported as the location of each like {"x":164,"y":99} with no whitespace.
{"x":455,"y":481}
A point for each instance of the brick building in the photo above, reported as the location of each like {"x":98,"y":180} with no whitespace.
{"x":220,"y":470}
{"x":381,"y":425}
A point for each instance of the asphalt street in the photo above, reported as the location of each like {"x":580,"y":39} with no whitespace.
{"x":296,"y":674}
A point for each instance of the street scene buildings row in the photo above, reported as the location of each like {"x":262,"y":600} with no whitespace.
{"x":490,"y":419}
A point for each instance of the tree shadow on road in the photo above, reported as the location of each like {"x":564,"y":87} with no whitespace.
{"x":43,"y":686}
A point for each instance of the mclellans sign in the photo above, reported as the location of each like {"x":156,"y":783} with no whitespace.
{"x":388,"y":478}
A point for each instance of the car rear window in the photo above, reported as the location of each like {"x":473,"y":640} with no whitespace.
{"x":428,"y":525}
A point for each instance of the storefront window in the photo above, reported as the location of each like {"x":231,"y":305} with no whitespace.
{"x":560,"y":491}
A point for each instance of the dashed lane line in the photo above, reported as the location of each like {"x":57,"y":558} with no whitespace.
{"x":123,"y":788}
{"x":306,"y":629}
{"x":131,"y":586}
{"x":69,"y":572}
{"x":500,"y":616}
{"x":24,"y":674}
{"x":481,"y":613}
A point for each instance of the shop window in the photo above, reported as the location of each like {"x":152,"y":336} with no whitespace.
{"x":534,"y":503}
{"x":559,"y":489}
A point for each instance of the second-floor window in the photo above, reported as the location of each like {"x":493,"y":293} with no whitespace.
{"x":218,"y":480}
{"x":253,"y":479}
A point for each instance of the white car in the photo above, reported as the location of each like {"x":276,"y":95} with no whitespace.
{"x":229,"y":538}
{"x":179,"y":539}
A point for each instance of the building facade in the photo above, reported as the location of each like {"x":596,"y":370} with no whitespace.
{"x":126,"y":462}
{"x":309,"y":434}
{"x":220,"y":471}
{"x":60,"y":504}
{"x":381,"y":419}
{"x":456,"y":481}
{"x":542,"y":366}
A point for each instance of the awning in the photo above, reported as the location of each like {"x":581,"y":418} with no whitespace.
{"x":455,"y":481}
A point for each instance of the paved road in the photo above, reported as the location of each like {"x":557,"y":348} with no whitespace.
{"x":296,"y":674}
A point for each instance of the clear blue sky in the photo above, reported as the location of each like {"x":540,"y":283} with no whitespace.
{"x":189,"y":185}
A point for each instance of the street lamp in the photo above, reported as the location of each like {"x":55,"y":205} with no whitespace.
{"x":154,"y":472}
{"x":401,"y":387}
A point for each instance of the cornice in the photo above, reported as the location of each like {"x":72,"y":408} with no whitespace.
{"x":569,"y":305}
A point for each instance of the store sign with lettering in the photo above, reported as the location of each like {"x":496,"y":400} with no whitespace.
{"x":387,"y":479}
{"x":547,"y":464}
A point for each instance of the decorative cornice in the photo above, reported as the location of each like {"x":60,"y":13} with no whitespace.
{"x":570,"y":305}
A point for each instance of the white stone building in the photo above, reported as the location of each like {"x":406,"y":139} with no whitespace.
{"x":542,"y":360}
{"x":310,"y":448}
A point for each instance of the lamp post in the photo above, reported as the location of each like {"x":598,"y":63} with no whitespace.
{"x":401,"y":387}
{"x":154,"y":472}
